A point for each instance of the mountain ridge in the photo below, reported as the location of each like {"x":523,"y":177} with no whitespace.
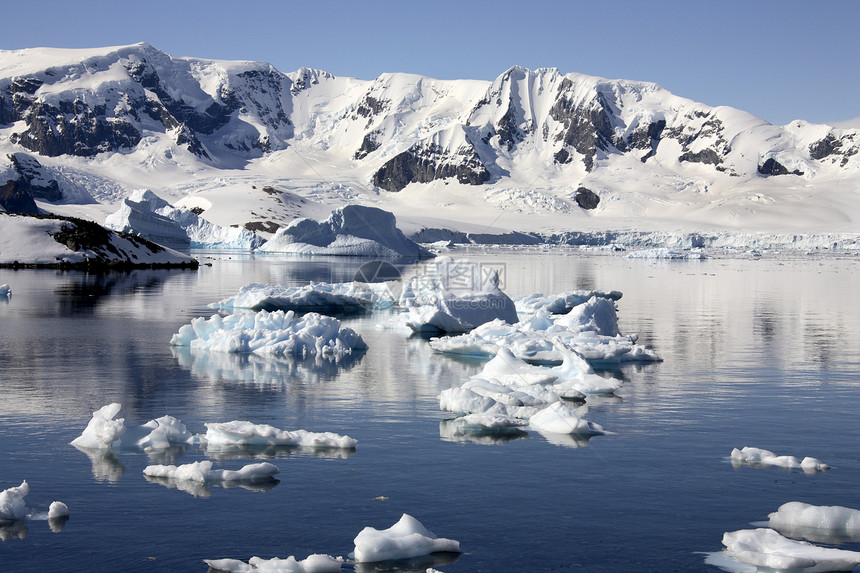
{"x":529,"y":142}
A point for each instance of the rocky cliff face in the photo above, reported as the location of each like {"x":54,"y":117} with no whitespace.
{"x":402,"y":129}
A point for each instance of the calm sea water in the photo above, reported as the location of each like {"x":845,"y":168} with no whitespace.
{"x":763,"y":353}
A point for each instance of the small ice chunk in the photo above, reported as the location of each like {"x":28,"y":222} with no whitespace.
{"x":5,"y":290}
{"x":767,"y":548}
{"x":833,"y":520}
{"x":316,"y":563}
{"x":244,"y":433}
{"x":202,"y":472}
{"x":57,"y":510}
{"x":103,"y":432}
{"x":558,"y":418}
{"x":330,"y":298}
{"x":758,"y":456}
{"x":12,"y":505}
{"x":271,"y":334}
{"x":405,"y":539}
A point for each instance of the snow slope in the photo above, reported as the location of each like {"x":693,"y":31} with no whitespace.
{"x":567,"y":158}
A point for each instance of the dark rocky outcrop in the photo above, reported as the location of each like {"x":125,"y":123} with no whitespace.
{"x":773,"y":167}
{"x":425,"y":163}
{"x":586,"y":198}
{"x":15,"y":197}
{"x":587,"y":126}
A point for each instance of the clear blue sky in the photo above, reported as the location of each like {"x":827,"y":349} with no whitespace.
{"x":778,"y":59}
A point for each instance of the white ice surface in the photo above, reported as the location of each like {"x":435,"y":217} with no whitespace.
{"x":405,"y":539}
{"x":558,"y":418}
{"x":58,"y":509}
{"x":833,"y":520}
{"x":589,"y":328}
{"x":202,"y":472}
{"x":106,"y":432}
{"x":272,"y":334}
{"x":12,"y":504}
{"x":243,"y":433}
{"x":353,"y":230}
{"x":760,"y":457}
{"x":317,"y":563}
{"x":326,"y":298}
{"x":455,"y":296}
{"x":766,"y":550}
{"x":144,"y":213}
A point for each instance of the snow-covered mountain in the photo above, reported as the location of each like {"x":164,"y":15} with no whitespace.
{"x":535,"y":151}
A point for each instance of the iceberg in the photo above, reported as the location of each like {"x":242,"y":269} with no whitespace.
{"x":590,"y":329}
{"x":12,"y":505}
{"x":750,"y":456}
{"x":106,"y":432}
{"x":557,"y":418}
{"x":58,"y":510}
{"x":224,"y":435}
{"x":202,"y":472}
{"x":327,"y":298}
{"x":271,"y":334}
{"x":751,"y":550}
{"x":145,"y":214}
{"x":405,"y":539}
{"x":826,"y":524}
{"x":561,"y":303}
{"x":352,"y":230}
{"x":316,"y":563}
{"x":455,"y":296}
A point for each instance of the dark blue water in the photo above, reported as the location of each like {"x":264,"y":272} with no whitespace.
{"x":763,"y":353}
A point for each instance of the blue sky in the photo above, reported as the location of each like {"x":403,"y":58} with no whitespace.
{"x":781,"y":60}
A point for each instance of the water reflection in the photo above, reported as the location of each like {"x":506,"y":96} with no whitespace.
{"x":273,"y":373}
{"x":414,"y":565}
{"x":453,"y":430}
{"x":82,"y":293}
{"x":10,"y":530}
{"x":106,"y":466}
{"x":198,"y":489}
{"x":273,"y":452}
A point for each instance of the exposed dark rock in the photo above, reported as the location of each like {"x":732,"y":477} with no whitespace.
{"x":368,"y":145}
{"x":774,"y":167}
{"x":587,"y":127}
{"x":825,"y":147}
{"x":708,"y":156}
{"x":508,"y":130}
{"x":15,"y":197}
{"x":586,"y":198}
{"x":35,"y":178}
{"x":264,"y":226}
{"x":422,"y":164}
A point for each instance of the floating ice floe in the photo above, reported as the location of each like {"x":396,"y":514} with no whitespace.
{"x":665,"y":253}
{"x":751,"y":550}
{"x":826,"y":524}
{"x":14,"y":508}
{"x":316,"y":563}
{"x":558,"y":418}
{"x":202,"y":472}
{"x":145,"y":214}
{"x":561,"y":303}
{"x":12,"y":504}
{"x":272,"y":334}
{"x":353,"y":230}
{"x":405,"y":539}
{"x":508,"y":388}
{"x":242,"y":433}
{"x":106,"y":432}
{"x":326,"y":298}
{"x":590,"y":328}
{"x":455,"y":296}
{"x":750,"y":456}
